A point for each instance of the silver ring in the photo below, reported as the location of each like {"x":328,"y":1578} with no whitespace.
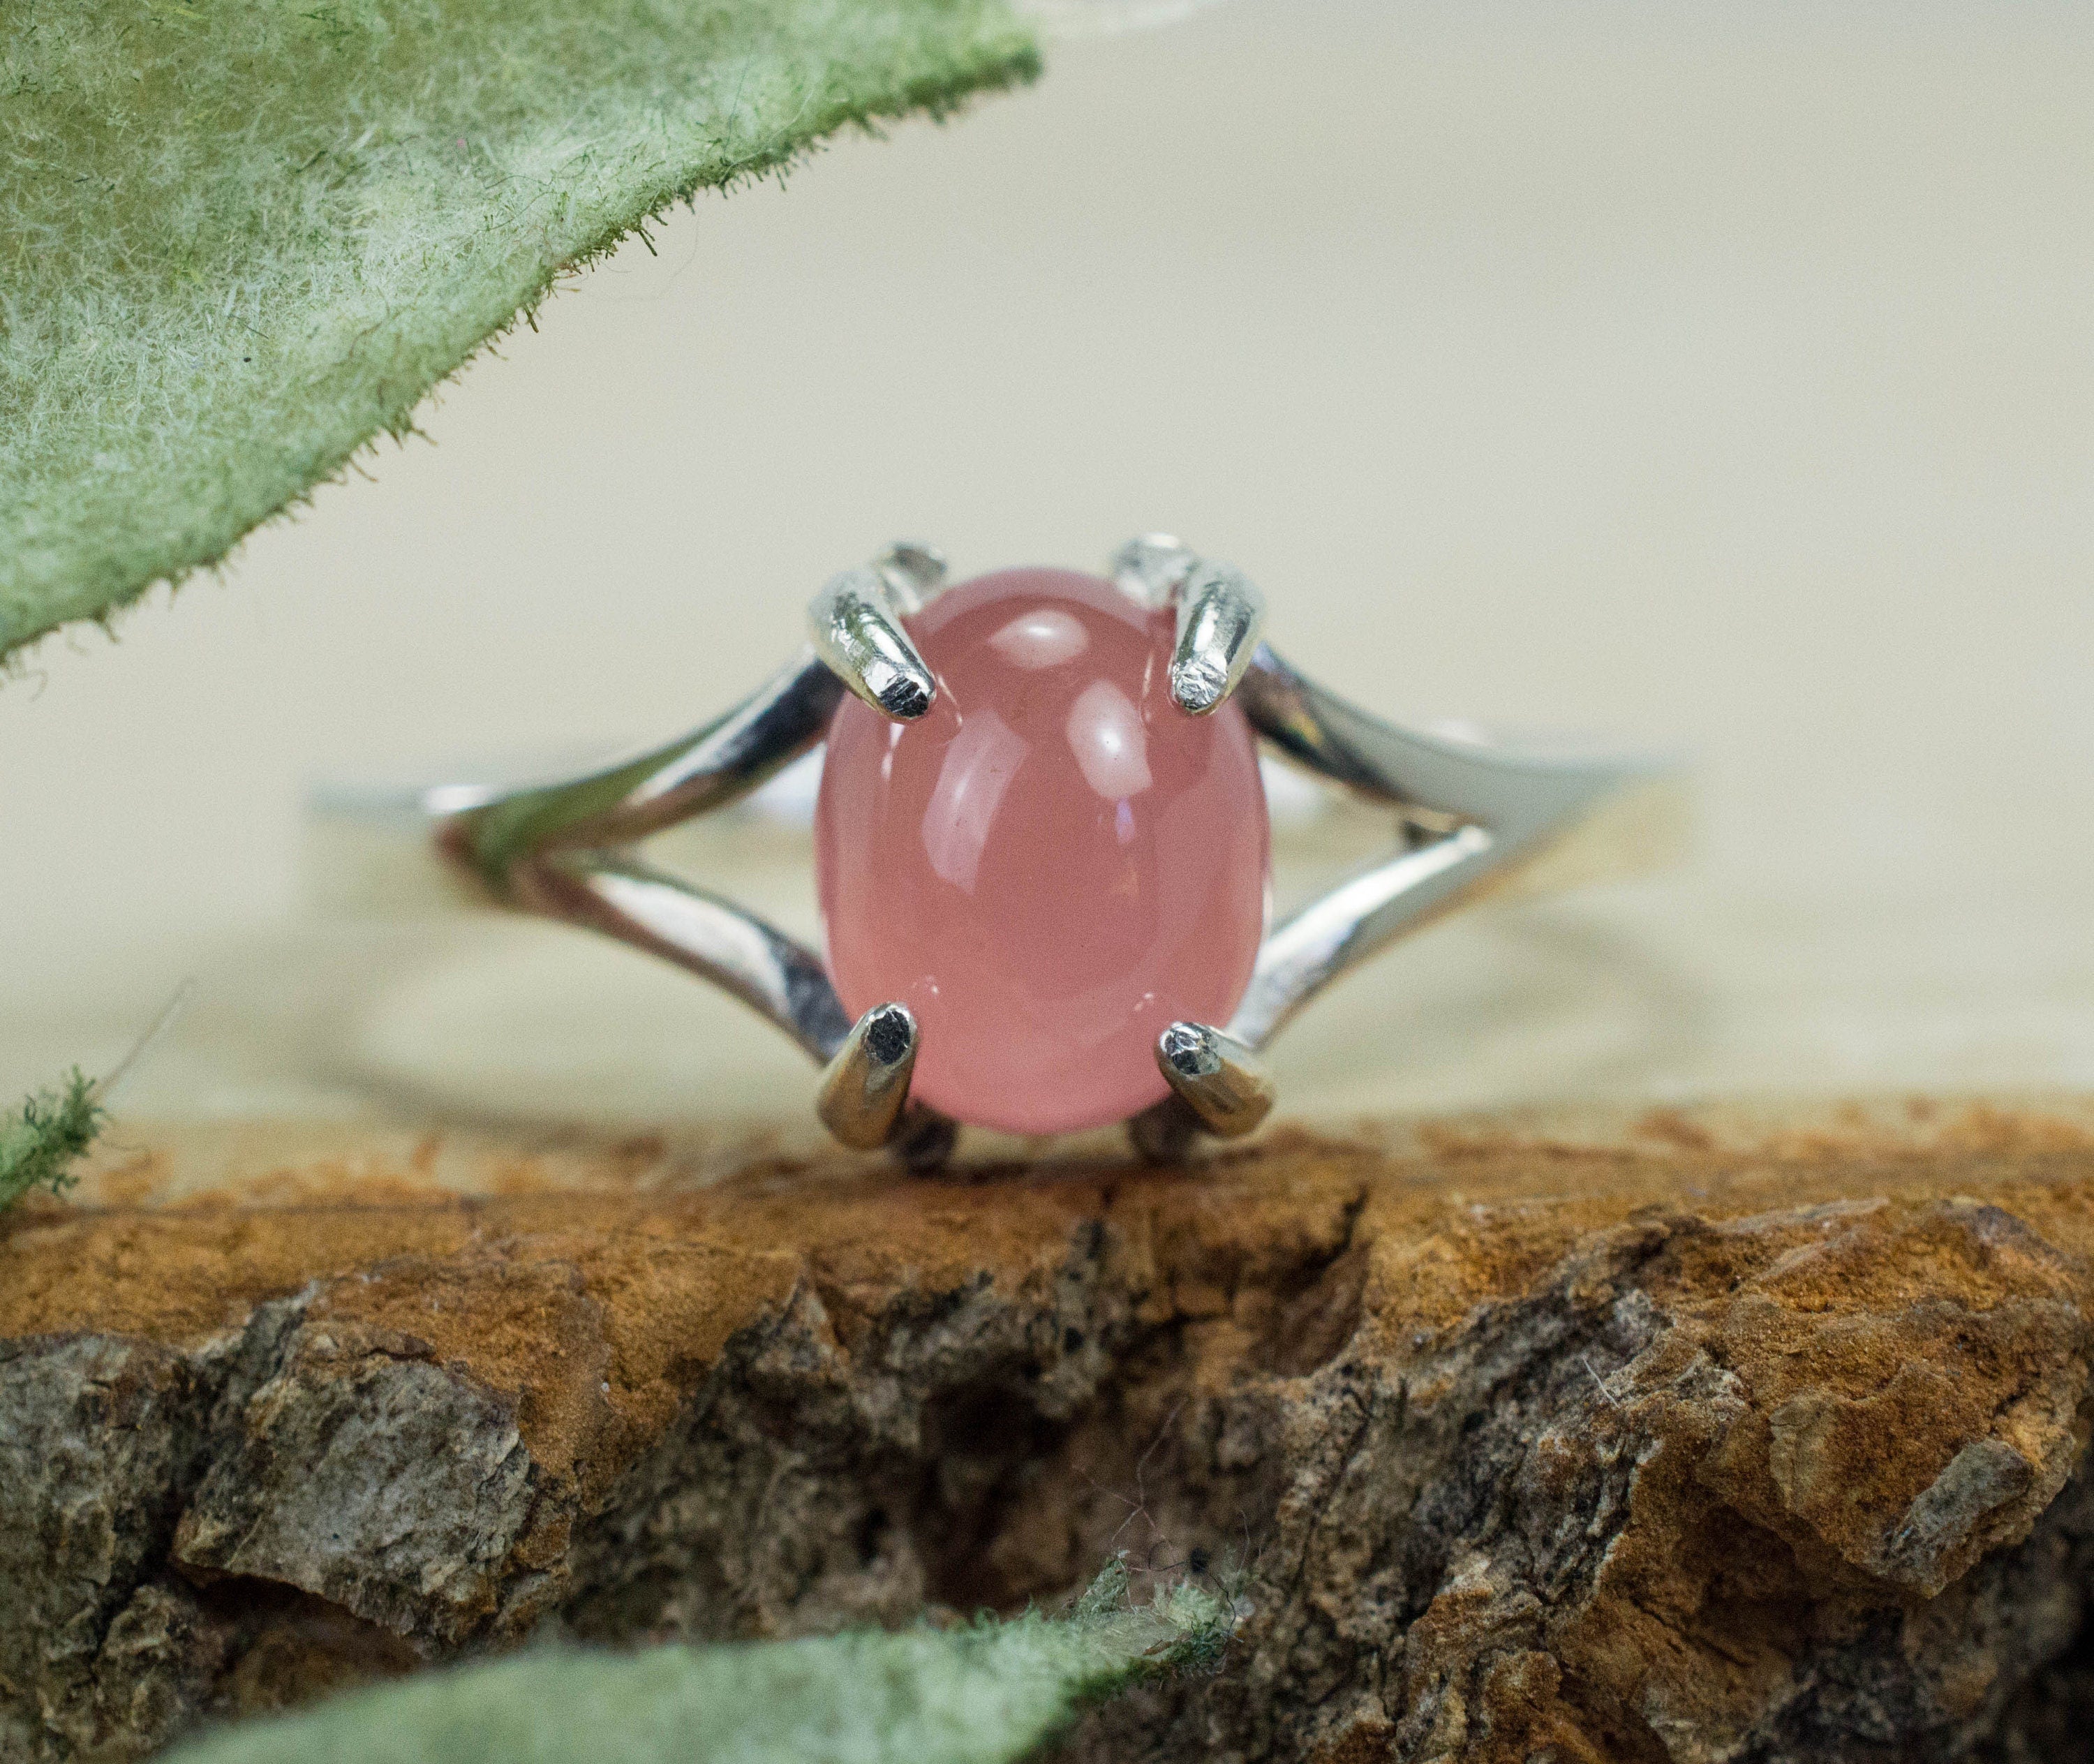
{"x":1468,"y":818}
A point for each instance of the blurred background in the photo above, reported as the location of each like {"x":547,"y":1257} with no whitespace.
{"x":1718,"y":379}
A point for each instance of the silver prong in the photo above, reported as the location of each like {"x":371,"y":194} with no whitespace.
{"x":1216,"y":1075}
{"x":914,"y":571}
{"x":1149,"y":569}
{"x":867,"y":1084}
{"x":857,"y":627}
{"x":1220,"y":616}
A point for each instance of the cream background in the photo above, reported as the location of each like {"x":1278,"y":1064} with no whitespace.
{"x":1722,"y":379}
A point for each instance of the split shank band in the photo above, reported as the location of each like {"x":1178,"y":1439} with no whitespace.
{"x":1469,"y":818}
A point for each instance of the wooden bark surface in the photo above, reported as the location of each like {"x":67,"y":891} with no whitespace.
{"x":1675,"y":1442}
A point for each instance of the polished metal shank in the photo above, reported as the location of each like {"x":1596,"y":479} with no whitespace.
{"x":1499,"y":810}
{"x":557,"y":850}
{"x":715,"y":764}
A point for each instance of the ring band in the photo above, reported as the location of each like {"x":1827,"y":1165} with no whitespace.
{"x":1471,"y":818}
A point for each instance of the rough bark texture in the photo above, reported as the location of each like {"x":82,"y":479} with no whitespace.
{"x":1675,"y":1448}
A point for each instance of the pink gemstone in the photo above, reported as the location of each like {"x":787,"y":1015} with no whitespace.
{"x":1052,"y":865}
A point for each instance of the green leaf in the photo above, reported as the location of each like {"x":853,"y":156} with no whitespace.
{"x":239,"y":238}
{"x":980,"y":1695}
{"x":42,"y":1140}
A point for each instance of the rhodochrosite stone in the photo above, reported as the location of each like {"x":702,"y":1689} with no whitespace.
{"x":1051,"y":865}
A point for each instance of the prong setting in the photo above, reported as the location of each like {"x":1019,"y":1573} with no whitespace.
{"x":1221,"y":616}
{"x":856,"y":625}
{"x":1149,"y":570}
{"x":865,"y":1085}
{"x":1216,"y":1076}
{"x":565,"y":849}
{"x":914,"y":572}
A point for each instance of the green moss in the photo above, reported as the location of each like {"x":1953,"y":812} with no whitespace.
{"x":240,"y":238}
{"x":42,"y":1140}
{"x":985,"y":1694}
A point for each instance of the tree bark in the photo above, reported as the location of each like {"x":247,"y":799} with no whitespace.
{"x":1672,"y":1442}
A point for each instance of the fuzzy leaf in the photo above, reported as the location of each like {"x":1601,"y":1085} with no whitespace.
{"x":982,"y":1695}
{"x":41,"y":1141}
{"x":239,"y":238}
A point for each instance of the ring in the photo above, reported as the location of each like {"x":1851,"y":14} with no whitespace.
{"x":1043,"y":833}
